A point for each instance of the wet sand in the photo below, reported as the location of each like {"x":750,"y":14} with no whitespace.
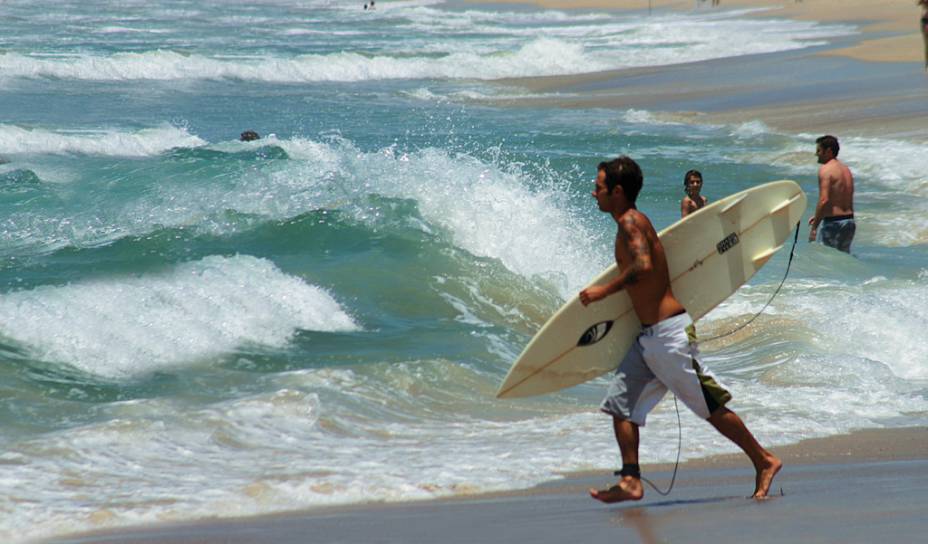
{"x":793,"y":92}
{"x":868,"y":486}
{"x":891,"y":25}
{"x":872,"y":84}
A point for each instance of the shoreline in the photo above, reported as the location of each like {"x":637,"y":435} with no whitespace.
{"x":896,"y":17}
{"x":709,"y":487}
{"x":869,"y":84}
{"x":795,"y":92}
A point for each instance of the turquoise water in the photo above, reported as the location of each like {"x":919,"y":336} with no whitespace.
{"x":196,"y":326}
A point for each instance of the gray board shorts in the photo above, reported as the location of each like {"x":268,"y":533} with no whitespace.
{"x":663,"y":357}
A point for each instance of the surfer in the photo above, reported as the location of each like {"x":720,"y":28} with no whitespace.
{"x":692,"y":200}
{"x":249,"y":136}
{"x":835,"y":207}
{"x":665,"y":355}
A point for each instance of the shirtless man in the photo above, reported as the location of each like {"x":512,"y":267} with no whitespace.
{"x":692,"y":184}
{"x":835,"y":207}
{"x":665,"y":355}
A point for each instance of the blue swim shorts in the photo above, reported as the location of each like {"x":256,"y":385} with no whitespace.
{"x":838,"y":232}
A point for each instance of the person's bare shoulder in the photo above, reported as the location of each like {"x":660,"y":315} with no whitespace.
{"x":641,"y":222}
{"x":843,"y":167}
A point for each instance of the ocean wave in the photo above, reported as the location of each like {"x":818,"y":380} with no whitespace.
{"x":17,"y":178}
{"x":116,"y":29}
{"x":878,"y":323}
{"x":489,"y":208}
{"x":506,"y":53}
{"x":492,"y":95}
{"x":437,"y":44}
{"x":125,"y":327}
{"x":536,"y":58}
{"x":145,"y":142}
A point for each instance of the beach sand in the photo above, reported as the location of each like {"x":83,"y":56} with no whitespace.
{"x":793,"y":92}
{"x":873,"y":84}
{"x":868,"y":486}
{"x":896,"y":17}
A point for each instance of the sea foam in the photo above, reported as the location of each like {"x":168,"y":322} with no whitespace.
{"x":122,"y":327}
{"x":142,"y":143}
{"x":439,"y":45}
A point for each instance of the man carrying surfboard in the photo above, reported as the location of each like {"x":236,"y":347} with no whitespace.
{"x":664,"y":356}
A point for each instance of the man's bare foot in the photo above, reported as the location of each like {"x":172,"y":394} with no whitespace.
{"x":765,"y":473}
{"x":628,"y":489}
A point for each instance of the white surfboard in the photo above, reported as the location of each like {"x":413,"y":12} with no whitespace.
{"x":711,"y":253}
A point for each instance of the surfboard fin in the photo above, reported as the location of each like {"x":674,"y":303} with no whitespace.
{"x":786,"y":204}
{"x":761,"y":260}
{"x":733,"y":205}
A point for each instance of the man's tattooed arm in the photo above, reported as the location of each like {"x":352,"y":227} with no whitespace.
{"x":632,"y":236}
{"x":635,"y":240}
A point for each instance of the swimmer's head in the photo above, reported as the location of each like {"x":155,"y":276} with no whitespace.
{"x":692,"y":183}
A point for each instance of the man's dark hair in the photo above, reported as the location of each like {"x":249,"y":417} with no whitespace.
{"x":625,"y":173}
{"x":829,"y":142}
{"x":690,"y":174}
{"x":249,"y":136}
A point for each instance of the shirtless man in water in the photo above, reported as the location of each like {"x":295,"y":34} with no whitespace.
{"x":665,"y":355}
{"x":835,"y":206}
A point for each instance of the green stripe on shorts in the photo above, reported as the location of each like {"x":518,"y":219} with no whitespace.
{"x":715,"y":395}
{"x":691,"y":333}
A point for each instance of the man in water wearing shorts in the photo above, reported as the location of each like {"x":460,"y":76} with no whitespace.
{"x":835,"y":207}
{"x":665,"y":355}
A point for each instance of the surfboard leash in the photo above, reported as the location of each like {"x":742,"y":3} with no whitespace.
{"x":775,"y":293}
{"x":676,"y":464}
